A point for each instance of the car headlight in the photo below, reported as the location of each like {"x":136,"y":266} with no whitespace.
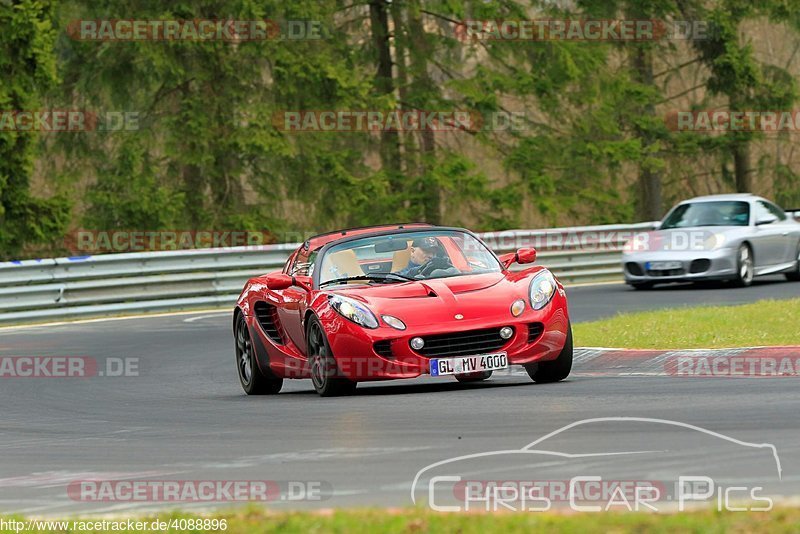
{"x":543,"y":287}
{"x":394,"y":322}
{"x":714,"y":241}
{"x":353,"y":310}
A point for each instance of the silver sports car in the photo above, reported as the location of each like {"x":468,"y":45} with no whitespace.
{"x":719,"y":237}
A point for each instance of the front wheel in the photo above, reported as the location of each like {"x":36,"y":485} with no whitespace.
{"x":325,"y":374}
{"x":794,"y":276}
{"x":555,"y":370}
{"x":253,"y":381}
{"x":474,"y":377}
{"x":744,"y":267}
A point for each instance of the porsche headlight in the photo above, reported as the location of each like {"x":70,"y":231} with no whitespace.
{"x":714,"y":241}
{"x":543,"y":287}
{"x":352,"y":310}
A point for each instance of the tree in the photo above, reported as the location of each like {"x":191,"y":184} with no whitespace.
{"x":28,"y":65}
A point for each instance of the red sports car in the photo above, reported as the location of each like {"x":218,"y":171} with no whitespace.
{"x":399,"y":301}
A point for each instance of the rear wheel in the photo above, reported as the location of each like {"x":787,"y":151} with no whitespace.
{"x":794,"y":276}
{"x":555,"y":370}
{"x":474,"y":377}
{"x":744,"y":266}
{"x":325,"y":374}
{"x":253,"y":381}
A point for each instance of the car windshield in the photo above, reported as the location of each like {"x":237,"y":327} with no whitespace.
{"x":727,"y":213}
{"x":406,"y":256}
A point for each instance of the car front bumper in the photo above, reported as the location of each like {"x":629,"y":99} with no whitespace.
{"x":695,"y":265}
{"x":357,"y":354}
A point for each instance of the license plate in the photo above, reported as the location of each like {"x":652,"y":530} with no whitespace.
{"x":469,"y":364}
{"x":663,"y":265}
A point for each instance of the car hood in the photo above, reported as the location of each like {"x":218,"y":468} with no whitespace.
{"x":431,"y":300}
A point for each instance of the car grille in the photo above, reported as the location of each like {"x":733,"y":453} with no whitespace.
{"x":666,"y":272}
{"x":534,"y":331}
{"x":463,"y":343}
{"x":267,"y":316}
{"x":384,"y":348}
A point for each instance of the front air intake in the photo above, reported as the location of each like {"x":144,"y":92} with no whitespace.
{"x":534,"y":331}
{"x":634,"y":268}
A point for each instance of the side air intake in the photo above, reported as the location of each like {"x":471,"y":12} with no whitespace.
{"x":267,"y":316}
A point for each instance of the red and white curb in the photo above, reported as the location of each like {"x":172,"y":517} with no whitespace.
{"x":761,"y":362}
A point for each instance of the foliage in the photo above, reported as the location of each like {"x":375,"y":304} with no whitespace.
{"x":208,"y":152}
{"x":28,"y":64}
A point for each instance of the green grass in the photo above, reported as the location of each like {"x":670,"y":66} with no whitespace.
{"x":768,"y":322}
{"x":256,"y":520}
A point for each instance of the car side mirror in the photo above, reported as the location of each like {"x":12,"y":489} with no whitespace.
{"x":521,"y":256}
{"x":526,"y":255}
{"x":279,"y":281}
{"x":766,"y":219}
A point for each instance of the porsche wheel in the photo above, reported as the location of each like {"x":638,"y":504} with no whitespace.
{"x":794,"y":276}
{"x":474,"y":377}
{"x":253,"y":381}
{"x":744,"y":266}
{"x":325,"y":374}
{"x":555,"y":370}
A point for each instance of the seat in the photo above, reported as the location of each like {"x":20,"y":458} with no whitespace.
{"x":342,"y":264}
{"x":400,"y":260}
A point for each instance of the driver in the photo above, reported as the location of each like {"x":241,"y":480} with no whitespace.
{"x":423,"y":250}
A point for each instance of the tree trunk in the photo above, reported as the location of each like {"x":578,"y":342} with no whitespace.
{"x":741,"y":166}
{"x":650,"y":200}
{"x":384,"y":84}
{"x":423,"y":89}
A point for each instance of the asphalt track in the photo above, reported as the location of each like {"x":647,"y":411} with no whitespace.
{"x":184,"y":417}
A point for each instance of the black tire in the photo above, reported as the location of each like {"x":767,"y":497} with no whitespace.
{"x":325,"y":374}
{"x":794,"y":276}
{"x":642,"y":285}
{"x":554,"y":370}
{"x":474,"y":377}
{"x":745,"y":266}
{"x":253,"y":381}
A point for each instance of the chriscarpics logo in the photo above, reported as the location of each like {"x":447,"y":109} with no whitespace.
{"x":608,"y":464}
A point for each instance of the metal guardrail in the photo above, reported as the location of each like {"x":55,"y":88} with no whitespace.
{"x":118,"y":284}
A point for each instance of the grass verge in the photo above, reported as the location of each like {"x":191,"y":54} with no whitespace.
{"x":767,"y":322}
{"x":256,"y":520}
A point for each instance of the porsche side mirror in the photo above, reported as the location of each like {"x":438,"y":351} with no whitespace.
{"x":521,"y":256}
{"x":278,"y":281}
{"x":766,"y":219}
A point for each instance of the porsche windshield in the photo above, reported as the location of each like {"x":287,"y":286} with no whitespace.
{"x":728,"y":213}
{"x":406,"y":256}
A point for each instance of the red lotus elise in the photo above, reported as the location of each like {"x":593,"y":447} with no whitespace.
{"x":399,"y":301}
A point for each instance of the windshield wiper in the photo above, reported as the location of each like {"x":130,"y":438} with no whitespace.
{"x":371,"y":276}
